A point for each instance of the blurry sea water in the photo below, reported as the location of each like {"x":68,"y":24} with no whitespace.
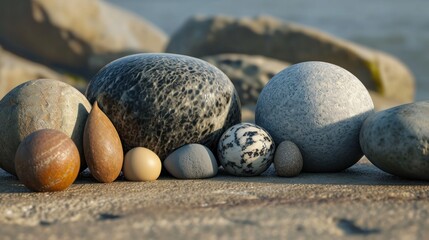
{"x":398,"y":27}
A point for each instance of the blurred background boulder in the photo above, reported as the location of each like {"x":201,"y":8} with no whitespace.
{"x":15,"y":70}
{"x":267,"y":36}
{"x":248,"y":73}
{"x":66,"y":34}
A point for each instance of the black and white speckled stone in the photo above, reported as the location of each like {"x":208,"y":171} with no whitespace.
{"x":191,"y":161}
{"x":246,"y":149}
{"x":163,"y":101}
{"x":397,"y":140}
{"x":320,"y":107}
{"x":288,"y":159}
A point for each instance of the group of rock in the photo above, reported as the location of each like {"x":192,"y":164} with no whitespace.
{"x":186,"y":113}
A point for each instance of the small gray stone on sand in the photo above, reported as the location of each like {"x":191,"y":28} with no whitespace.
{"x":288,"y":159}
{"x":320,"y":107}
{"x":191,"y":161}
{"x":397,"y":140}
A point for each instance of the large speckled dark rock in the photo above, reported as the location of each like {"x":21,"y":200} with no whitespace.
{"x":163,"y":101}
{"x":397,"y":140}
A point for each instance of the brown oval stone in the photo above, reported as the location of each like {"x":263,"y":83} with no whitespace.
{"x":47,"y":160}
{"x":102,"y":147}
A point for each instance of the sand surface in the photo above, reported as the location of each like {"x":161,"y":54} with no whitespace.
{"x":361,"y":202}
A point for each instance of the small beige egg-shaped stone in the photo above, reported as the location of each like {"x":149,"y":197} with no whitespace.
{"x":141,"y":164}
{"x":288,"y":160}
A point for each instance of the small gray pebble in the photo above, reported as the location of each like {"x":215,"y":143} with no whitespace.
{"x":288,"y":159}
{"x":191,"y":161}
{"x":397,"y":140}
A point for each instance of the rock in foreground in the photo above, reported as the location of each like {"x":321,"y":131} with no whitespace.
{"x":163,"y":101}
{"x":191,"y":161}
{"x":397,"y":140}
{"x":320,"y":107}
{"x":41,"y":104}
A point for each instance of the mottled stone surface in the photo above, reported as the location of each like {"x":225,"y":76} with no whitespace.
{"x":294,"y":43}
{"x":163,"y":101}
{"x":248,"y":73}
{"x":397,"y":140}
{"x":36,"y":105}
{"x":246,"y":149}
{"x":192,"y":161}
{"x":288,"y":159}
{"x":320,"y":107}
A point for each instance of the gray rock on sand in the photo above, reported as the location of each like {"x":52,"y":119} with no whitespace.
{"x":59,"y":35}
{"x":191,"y":161}
{"x":163,"y":101}
{"x":320,"y":107}
{"x":396,"y":140}
{"x":248,"y":73}
{"x":293,"y":43}
{"x":288,"y":159}
{"x":41,"y":104}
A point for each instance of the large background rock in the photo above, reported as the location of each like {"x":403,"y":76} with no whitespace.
{"x":15,"y":70}
{"x":67,"y":33}
{"x":202,"y":36}
{"x":249,"y":74}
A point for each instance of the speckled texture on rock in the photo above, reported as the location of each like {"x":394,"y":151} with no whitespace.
{"x":163,"y":101}
{"x":41,"y":104}
{"x":246,"y":149}
{"x":288,"y":159}
{"x":191,"y":161}
{"x":397,"y":140}
{"x":320,"y":107}
{"x":248,"y":73}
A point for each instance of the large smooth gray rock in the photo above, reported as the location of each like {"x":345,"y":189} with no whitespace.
{"x":163,"y":101}
{"x":294,"y":43}
{"x":40,"y":104}
{"x":68,"y":33}
{"x":397,"y":140}
{"x":320,"y":107}
{"x":191,"y":161}
{"x":248,"y":73}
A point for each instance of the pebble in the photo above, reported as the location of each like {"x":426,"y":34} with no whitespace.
{"x":320,"y":107}
{"x":163,"y":101}
{"x":288,"y":159}
{"x":396,"y":140}
{"x":246,"y":149}
{"x":102,"y":147}
{"x":41,"y":104}
{"x":192,"y":161}
{"x":141,"y":164}
{"x":47,"y":160}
